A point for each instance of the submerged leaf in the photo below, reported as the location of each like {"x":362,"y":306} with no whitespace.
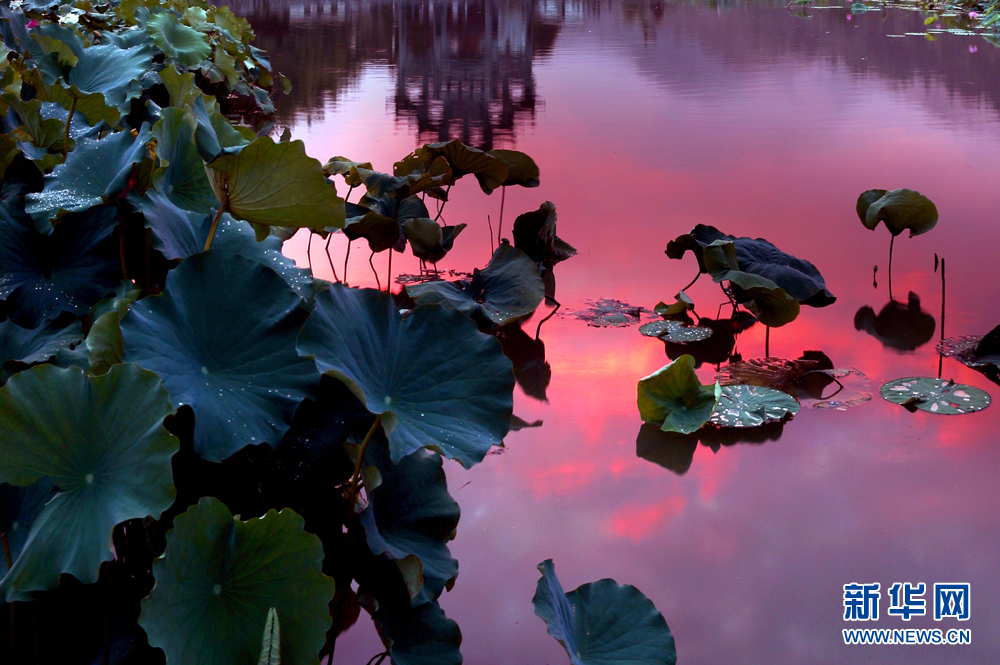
{"x":932,"y":395}
{"x":674,"y":397}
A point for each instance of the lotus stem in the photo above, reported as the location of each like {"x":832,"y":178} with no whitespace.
{"x":378,"y":658}
{"x":940,"y":357}
{"x":107,"y":618}
{"x":348,"y":194}
{"x":503,"y":195}
{"x":10,"y":564}
{"x":767,"y":341}
{"x":69,"y":121}
{"x":491,"y":234}
{"x":691,"y":283}
{"x":443,"y":203}
{"x":309,"y":245}
{"x":352,"y":487}
{"x":330,"y":258}
{"x":121,"y":240}
{"x":346,"y":259}
{"x":538,"y":330}
{"x":891,"y":242}
{"x":215,"y":225}
{"x":388,"y":279}
{"x":374,"y":272}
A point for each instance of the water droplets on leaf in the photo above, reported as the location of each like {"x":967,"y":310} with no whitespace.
{"x":608,"y":313}
{"x":675,"y":331}
{"x":935,"y":396}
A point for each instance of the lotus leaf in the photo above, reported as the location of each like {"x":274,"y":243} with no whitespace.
{"x":382,"y":185}
{"x":521,"y":169}
{"x":674,"y":397}
{"x":429,"y":240}
{"x":765,"y":300}
{"x":345,"y":167}
{"x":535,"y":235}
{"x":28,"y":346}
{"x":181,"y":174}
{"x":381,"y":232}
{"x":104,"y":341}
{"x":752,"y":406}
{"x":111,"y":71}
{"x":717,"y":348}
{"x":603,"y":622}
{"x":214,"y":134}
{"x":979,"y":352}
{"x":678,"y":310}
{"x":230,"y":357}
{"x":102,"y":442}
{"x":180,"y":43}
{"x":43,"y":132}
{"x":270,"y":648}
{"x":276,"y":184}
{"x":42,"y":276}
{"x":507,"y":289}
{"x":490,"y":171}
{"x":935,"y":396}
{"x":19,"y":508}
{"x":411,"y":514}
{"x":219,"y":579}
{"x":434,"y":379}
{"x":96,"y":172}
{"x":778,"y":373}
{"x":900,"y":209}
{"x":675,"y":331}
{"x":608,"y":313}
{"x":901,"y":326}
{"x":419,"y":635}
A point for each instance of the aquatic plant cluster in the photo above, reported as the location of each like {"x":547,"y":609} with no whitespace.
{"x":207,"y":455}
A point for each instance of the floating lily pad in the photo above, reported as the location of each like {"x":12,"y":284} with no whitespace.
{"x":222,"y":336}
{"x":752,"y":406}
{"x":436,"y":381}
{"x":899,"y":209}
{"x":102,"y":442}
{"x":21,"y":347}
{"x":675,"y":331}
{"x":220,"y":576}
{"x":935,"y":396}
{"x":507,"y":289}
{"x":603,"y":622}
{"x":180,"y":43}
{"x":607,"y":313}
{"x":674,"y":397}
{"x":411,"y":514}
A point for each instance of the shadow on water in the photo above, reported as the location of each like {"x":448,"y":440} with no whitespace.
{"x":718,"y":348}
{"x":900,"y":326}
{"x":527,"y":354}
{"x":675,"y":451}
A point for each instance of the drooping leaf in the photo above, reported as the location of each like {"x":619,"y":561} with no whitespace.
{"x":535,"y":234}
{"x":222,"y":337}
{"x":276,"y":184}
{"x":21,"y":347}
{"x":380,"y":231}
{"x":899,"y":209}
{"x":102,"y":442}
{"x":436,"y":381}
{"x":674,"y":397}
{"x":463,"y":160}
{"x":521,"y":169}
{"x":429,"y":240}
{"x":676,"y":311}
{"x":104,"y":341}
{"x":344,"y":167}
{"x":180,"y":43}
{"x":603,"y":622}
{"x":411,"y":514}
{"x":180,"y":175}
{"x":42,"y":276}
{"x":220,"y":576}
{"x":935,"y":395}
{"x":507,"y":289}
{"x":767,"y":301}
{"x":419,"y":635}
{"x":752,"y":406}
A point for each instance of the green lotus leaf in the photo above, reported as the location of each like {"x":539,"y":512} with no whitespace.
{"x":19,"y":508}
{"x":276,"y":184}
{"x":179,"y":43}
{"x":89,"y":106}
{"x":434,"y":379}
{"x":899,"y":209}
{"x":20,"y":347}
{"x":678,"y":310}
{"x":932,"y":395}
{"x":270,"y":648}
{"x":675,"y":331}
{"x":752,"y":406}
{"x":104,"y":341}
{"x":347,"y":168}
{"x":674,"y":397}
{"x":382,"y":185}
{"x":603,"y":622}
{"x":181,"y":173}
{"x":222,"y":337}
{"x":101,"y":440}
{"x":429,"y":240}
{"x":219,"y":579}
{"x":521,"y":169}
{"x":535,"y":235}
{"x":765,"y":299}
{"x":509,"y":288}
{"x":419,"y":635}
{"x":423,"y":171}
{"x":380,"y":231}
{"x":110,"y":70}
{"x":490,"y":171}
{"x":42,"y":276}
{"x":95,"y":173}
{"x":411,"y":514}
{"x":43,"y":132}
{"x":214,"y":134}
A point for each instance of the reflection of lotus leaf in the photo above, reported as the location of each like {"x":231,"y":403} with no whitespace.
{"x":854,"y":383}
{"x":935,"y":395}
{"x":603,"y":622}
{"x":527,"y":354}
{"x":717,"y":348}
{"x":674,"y":397}
{"x":751,"y":406}
{"x":904,"y":327}
{"x":675,"y":331}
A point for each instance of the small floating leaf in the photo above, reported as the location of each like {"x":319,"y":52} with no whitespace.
{"x":675,"y":331}
{"x":752,"y":406}
{"x":935,"y":396}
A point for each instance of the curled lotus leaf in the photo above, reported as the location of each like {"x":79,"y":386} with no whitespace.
{"x":382,"y":185}
{"x":766,"y":300}
{"x":490,"y":171}
{"x":276,"y":184}
{"x":213,"y":134}
{"x":102,"y":442}
{"x":933,"y":395}
{"x":603,"y":622}
{"x":21,"y":347}
{"x":230,"y":358}
{"x":104,"y":341}
{"x":96,"y":172}
{"x":343,"y":166}
{"x":220,"y":576}
{"x":535,"y":234}
{"x":434,"y":379}
{"x":674,"y":398}
{"x":42,"y":276}
{"x":507,"y":289}
{"x":270,"y":648}
{"x":677,"y":310}
{"x":899,"y":209}
{"x":981,"y":353}
{"x":521,"y":169}
{"x":752,"y":406}
{"x":675,"y":331}
{"x":181,"y":173}
{"x":411,"y":514}
{"x":380,"y":231}
{"x":429,"y":240}
{"x":180,"y":43}
{"x":420,"y":635}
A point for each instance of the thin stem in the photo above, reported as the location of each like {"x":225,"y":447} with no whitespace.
{"x":374,"y":272}
{"x":69,"y":121}
{"x":691,"y":283}
{"x":891,"y":242}
{"x":10,"y":563}
{"x":348,"y":194}
{"x":503,"y":195}
{"x":377,"y":658}
{"x":309,"y":256}
{"x":107,"y":618}
{"x":491,"y":234}
{"x":940,"y":357}
{"x":215,"y":225}
{"x":330,"y":258}
{"x":767,"y":342}
{"x":538,"y":330}
{"x":443,"y":203}
{"x":352,"y":487}
{"x":388,"y":279}
{"x":346,"y":259}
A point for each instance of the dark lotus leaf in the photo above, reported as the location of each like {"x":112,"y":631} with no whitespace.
{"x":976,"y":351}
{"x":675,"y":331}
{"x":19,"y":508}
{"x":677,"y":311}
{"x":42,"y":276}
{"x":490,"y":171}
{"x":608,"y":313}
{"x":900,"y":209}
{"x":414,"y":174}
{"x":419,"y":635}
{"x":347,"y":168}
{"x":180,"y":43}
{"x":535,"y":235}
{"x":517,"y":423}
{"x":934,"y":395}
{"x":381,"y":232}
{"x":43,"y":133}
{"x":603,"y":622}
{"x":411,"y":514}
{"x":777,"y":373}
{"x":988,"y":348}
{"x":181,"y":173}
{"x":101,"y":440}
{"x":220,"y":576}
{"x":766,"y":300}
{"x":436,"y":381}
{"x":717,"y":348}
{"x":214,"y":134}
{"x":96,"y":172}
{"x":382,"y":185}
{"x":104,"y":341}
{"x":904,"y":327}
{"x":429,"y":240}
{"x":521,"y":169}
{"x":507,"y":289}
{"x":671,"y":450}
{"x":112,"y":71}
{"x":28,"y":346}
{"x":222,"y":337}
{"x":527,"y":354}
{"x":798,"y":277}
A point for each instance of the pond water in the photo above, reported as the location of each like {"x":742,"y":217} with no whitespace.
{"x":646,"y":119}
